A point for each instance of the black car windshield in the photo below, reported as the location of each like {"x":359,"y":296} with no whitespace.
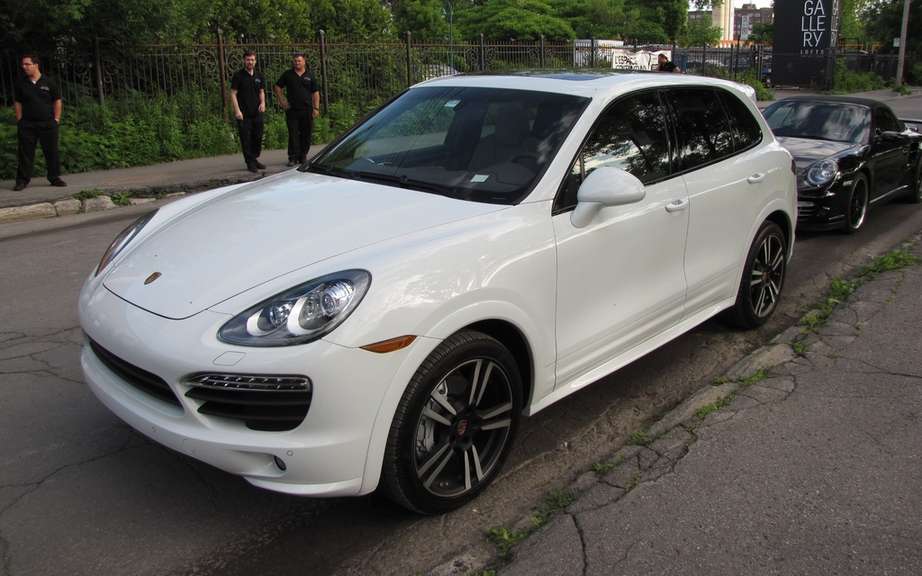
{"x":836,"y":121}
{"x":481,"y":144}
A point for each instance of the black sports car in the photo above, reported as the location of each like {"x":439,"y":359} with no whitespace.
{"x":851,"y":153}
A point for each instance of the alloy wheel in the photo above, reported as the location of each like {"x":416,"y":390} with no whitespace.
{"x":767,"y":275}
{"x":463,"y":428}
{"x":858,"y":205}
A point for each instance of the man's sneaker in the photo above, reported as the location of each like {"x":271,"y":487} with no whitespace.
{"x":252,"y":168}
{"x":260,"y":165}
{"x":291,"y":163}
{"x":20,"y":186}
{"x":58,"y":182}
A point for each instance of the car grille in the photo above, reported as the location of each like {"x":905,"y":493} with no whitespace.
{"x":138,"y":378}
{"x":270,"y":403}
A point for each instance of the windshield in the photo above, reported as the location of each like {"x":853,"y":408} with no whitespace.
{"x":481,"y":144}
{"x":834,"y":121}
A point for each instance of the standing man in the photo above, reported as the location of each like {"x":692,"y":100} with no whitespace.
{"x":248,"y":96}
{"x":37,"y":104}
{"x":301,"y":102}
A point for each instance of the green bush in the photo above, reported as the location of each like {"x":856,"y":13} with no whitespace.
{"x":847,"y":81}
{"x":762,"y":91}
{"x":915,"y":74}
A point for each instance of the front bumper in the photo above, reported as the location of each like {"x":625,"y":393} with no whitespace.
{"x":823,"y":208}
{"x":324,"y":456}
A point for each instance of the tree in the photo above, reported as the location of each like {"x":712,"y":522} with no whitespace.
{"x":513,"y":19}
{"x":701,"y":33}
{"x":593,"y":18}
{"x":762,"y":32}
{"x":424,"y":18}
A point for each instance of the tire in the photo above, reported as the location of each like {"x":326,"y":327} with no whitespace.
{"x":763,"y":278}
{"x":454,"y":425}
{"x":915,"y":187}
{"x":856,"y":207}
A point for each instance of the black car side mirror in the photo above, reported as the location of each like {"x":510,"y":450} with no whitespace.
{"x":890,"y":136}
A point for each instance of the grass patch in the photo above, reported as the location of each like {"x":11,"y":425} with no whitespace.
{"x":840,"y":290}
{"x":720,"y":381}
{"x":603,"y":467}
{"x":799,"y":347}
{"x":505,"y":539}
{"x":903,"y":90}
{"x":640,"y":438}
{"x":87,"y":194}
{"x":121,"y":199}
{"x":754,"y":378}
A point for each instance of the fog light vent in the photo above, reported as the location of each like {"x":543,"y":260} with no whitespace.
{"x":262,"y":402}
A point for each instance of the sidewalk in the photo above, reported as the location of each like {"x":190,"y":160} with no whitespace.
{"x":154,"y":180}
{"x":811,"y":466}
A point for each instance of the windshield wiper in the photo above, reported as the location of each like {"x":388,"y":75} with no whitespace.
{"x":402,"y":181}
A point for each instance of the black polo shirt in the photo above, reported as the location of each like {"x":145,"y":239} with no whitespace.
{"x":37,"y":98}
{"x":248,"y":88}
{"x":298,"y":89}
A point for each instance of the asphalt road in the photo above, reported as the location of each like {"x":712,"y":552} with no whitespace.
{"x":82,"y":493}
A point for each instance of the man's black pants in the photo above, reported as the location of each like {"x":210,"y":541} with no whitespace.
{"x":30,"y":132}
{"x":251,"y":138}
{"x":300,"y":125}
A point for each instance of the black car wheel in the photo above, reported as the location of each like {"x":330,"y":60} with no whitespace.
{"x":857,"y":205}
{"x":763,"y":278}
{"x":454,"y":425}
{"x":915,"y":187}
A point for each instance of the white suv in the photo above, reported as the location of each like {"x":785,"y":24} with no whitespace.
{"x":476,"y":250}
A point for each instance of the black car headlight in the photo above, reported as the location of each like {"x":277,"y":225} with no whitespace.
{"x":123,"y":239}
{"x":304,"y":313}
{"x":822,"y":172}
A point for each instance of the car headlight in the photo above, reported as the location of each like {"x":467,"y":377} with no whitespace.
{"x":123,"y":239}
{"x":822,"y":172}
{"x":304,"y":313}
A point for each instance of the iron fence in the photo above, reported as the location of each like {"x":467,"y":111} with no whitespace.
{"x":363,"y":75}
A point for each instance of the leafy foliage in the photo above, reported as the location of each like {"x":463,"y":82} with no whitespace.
{"x":513,"y":19}
{"x":700,"y":34}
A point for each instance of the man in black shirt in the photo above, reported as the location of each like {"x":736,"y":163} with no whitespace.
{"x":37,"y":104}
{"x":665,"y":65}
{"x":248,"y":96}
{"x":301,"y":102}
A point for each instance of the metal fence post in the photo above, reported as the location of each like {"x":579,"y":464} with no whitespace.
{"x":222,"y":73}
{"x":324,"y":90}
{"x":592,"y":52}
{"x":97,"y":68}
{"x":541,"y":57}
{"x":483,"y":54}
{"x":409,"y":63}
{"x":704,"y":56}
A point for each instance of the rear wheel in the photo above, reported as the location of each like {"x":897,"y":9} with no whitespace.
{"x":857,"y":206}
{"x":915,"y":187}
{"x":454,"y":425}
{"x":763,"y":278}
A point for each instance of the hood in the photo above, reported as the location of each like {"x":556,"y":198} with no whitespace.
{"x":259,"y":232}
{"x":807,"y":151}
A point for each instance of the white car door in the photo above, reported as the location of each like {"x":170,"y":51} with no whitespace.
{"x":620,"y":279}
{"x":728,"y":178}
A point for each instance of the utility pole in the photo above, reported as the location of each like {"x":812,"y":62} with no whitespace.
{"x":902,"y":60}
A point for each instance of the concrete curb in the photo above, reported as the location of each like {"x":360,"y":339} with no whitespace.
{"x":112,"y":198}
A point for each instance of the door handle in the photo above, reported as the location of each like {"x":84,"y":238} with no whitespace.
{"x":677,"y":205}
{"x":756,"y":178}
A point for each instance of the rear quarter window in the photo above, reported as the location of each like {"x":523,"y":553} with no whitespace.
{"x":746,"y":130}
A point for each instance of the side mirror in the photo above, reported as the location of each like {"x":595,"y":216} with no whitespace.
{"x":605,"y":187}
{"x":890,"y":136}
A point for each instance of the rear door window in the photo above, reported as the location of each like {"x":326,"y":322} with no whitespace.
{"x":702,"y":128}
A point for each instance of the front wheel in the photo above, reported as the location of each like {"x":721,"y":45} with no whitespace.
{"x":763,"y":278}
{"x":454,"y":425}
{"x":857,"y":205}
